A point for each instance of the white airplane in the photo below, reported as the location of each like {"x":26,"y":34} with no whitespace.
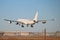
{"x":27,"y":22}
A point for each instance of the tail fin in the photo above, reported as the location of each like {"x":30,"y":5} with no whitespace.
{"x":36,"y":16}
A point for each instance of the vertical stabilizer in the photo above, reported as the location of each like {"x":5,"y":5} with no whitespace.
{"x":36,"y":16}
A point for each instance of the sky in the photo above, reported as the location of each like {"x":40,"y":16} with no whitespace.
{"x":14,"y":9}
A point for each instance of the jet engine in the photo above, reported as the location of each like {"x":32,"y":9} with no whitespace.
{"x":44,"y":22}
{"x":10,"y":22}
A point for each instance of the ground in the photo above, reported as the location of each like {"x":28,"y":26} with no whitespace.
{"x":29,"y":38}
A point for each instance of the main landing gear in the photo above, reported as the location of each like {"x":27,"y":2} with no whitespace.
{"x":31,"y":25}
{"x":22,"y":26}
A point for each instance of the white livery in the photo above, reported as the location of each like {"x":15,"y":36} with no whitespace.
{"x":27,"y":22}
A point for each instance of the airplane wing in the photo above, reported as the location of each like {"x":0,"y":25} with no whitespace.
{"x":10,"y":21}
{"x":44,"y":21}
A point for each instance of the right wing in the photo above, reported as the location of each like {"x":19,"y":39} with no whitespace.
{"x":44,"y":21}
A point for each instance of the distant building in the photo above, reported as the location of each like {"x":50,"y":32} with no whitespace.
{"x":11,"y":33}
{"x":50,"y":34}
{"x":24,"y":33}
{"x":16,"y":33}
{"x":1,"y":33}
{"x":58,"y":33}
{"x":19,"y":33}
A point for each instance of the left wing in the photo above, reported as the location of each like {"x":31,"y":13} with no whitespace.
{"x":10,"y":21}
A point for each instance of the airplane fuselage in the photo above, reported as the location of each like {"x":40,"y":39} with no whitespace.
{"x":26,"y":21}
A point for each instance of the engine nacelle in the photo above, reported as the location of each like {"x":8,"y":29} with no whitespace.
{"x":44,"y":22}
{"x":17,"y":23}
{"x":10,"y":22}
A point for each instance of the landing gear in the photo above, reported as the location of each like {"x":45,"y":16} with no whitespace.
{"x":22,"y":26}
{"x":31,"y":25}
{"x":17,"y":23}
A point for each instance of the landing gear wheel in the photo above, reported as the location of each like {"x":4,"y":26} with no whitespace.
{"x":17,"y":23}
{"x":22,"y":26}
{"x":31,"y":25}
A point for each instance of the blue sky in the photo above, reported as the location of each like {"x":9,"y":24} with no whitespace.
{"x":14,"y":9}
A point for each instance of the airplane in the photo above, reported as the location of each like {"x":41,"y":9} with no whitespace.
{"x":27,"y":22}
